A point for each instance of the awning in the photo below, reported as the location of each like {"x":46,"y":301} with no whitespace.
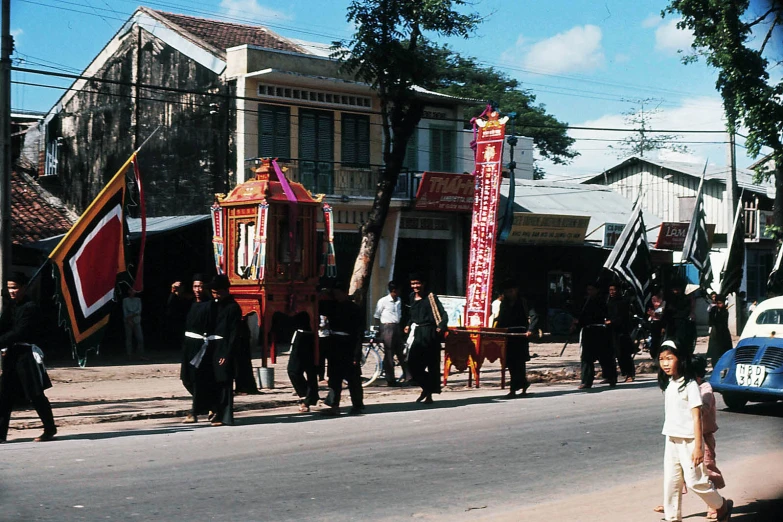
{"x":155,"y":226}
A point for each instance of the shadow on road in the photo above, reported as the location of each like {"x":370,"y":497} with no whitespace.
{"x":113,"y":434}
{"x":767,"y":409}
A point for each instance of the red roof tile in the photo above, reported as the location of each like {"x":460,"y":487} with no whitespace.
{"x":223,"y":35}
{"x":32,"y":217}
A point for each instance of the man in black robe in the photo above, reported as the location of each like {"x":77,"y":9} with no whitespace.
{"x":428,"y":320}
{"x":346,"y":324}
{"x":679,"y":318}
{"x":228,"y":319}
{"x":618,"y":319}
{"x":595,"y":340}
{"x":302,"y":368}
{"x":191,"y":345}
{"x":22,"y":361}
{"x":513,"y":315}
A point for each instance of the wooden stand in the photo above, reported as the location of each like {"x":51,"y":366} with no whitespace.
{"x":468,"y":348}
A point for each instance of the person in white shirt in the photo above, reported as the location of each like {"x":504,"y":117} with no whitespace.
{"x":683,"y":457}
{"x":389,"y":312}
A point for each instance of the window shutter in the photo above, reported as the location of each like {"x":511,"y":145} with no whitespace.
{"x":412,"y":152}
{"x":274,"y":131}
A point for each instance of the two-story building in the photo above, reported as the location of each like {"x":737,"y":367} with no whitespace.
{"x":215,"y":97}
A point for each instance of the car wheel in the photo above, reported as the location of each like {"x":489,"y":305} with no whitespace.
{"x":734,"y":402}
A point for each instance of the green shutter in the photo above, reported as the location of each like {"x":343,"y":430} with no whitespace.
{"x":274,"y":131}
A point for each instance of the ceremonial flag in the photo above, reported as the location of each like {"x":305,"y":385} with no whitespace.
{"x":731,"y":275}
{"x":88,"y":262}
{"x":775,"y":276}
{"x":630,"y":258}
{"x":696,"y":248}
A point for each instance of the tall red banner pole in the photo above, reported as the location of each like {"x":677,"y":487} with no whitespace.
{"x":484,"y":227}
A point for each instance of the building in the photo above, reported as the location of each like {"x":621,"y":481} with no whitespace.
{"x":669,"y":189}
{"x":213,"y":97}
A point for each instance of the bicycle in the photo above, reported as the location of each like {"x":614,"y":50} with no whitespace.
{"x":372,"y":359}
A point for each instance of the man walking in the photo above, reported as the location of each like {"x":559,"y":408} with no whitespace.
{"x":594,"y":340}
{"x":22,"y":361}
{"x":228,"y":318}
{"x":389,"y":312}
{"x":618,"y":319}
{"x":428,"y":320}
{"x":513,"y":315}
{"x":346,"y":323}
{"x":196,"y":323}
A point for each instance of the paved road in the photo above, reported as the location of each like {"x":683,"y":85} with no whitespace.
{"x":467,"y":454}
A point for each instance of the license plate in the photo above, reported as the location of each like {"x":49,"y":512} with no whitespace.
{"x":750,"y":374}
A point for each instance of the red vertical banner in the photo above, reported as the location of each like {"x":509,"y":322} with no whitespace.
{"x":483,"y":230}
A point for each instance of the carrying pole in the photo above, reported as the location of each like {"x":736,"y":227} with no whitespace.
{"x":6,"y":48}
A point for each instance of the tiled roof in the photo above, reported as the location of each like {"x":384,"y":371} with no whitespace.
{"x":223,"y":35}
{"x":32,"y":216}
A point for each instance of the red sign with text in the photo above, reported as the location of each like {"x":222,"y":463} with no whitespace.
{"x":446,"y":192}
{"x":671,"y":236}
{"x":483,"y":230}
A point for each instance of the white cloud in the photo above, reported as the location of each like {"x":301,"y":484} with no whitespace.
{"x":621,"y":58}
{"x":16,"y":33}
{"x":703,"y":113}
{"x":578,"y":49}
{"x":654,"y":20}
{"x":251,"y":10}
{"x":669,"y":39}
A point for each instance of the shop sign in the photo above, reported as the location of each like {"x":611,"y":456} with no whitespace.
{"x":484,"y":226}
{"x":446,"y":192}
{"x":548,"y":229}
{"x":671,"y":236}
{"x":612,"y":233}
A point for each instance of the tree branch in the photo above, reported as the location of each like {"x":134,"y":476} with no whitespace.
{"x":769,"y":35}
{"x":760,"y":19}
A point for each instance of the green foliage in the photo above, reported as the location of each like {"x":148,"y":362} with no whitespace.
{"x":464,"y":77}
{"x":733,"y":39}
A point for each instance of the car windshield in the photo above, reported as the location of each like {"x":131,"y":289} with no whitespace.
{"x":772,"y":316}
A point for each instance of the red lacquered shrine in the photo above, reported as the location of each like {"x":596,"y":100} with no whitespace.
{"x":265,"y":240}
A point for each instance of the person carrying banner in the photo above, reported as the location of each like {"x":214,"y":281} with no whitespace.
{"x":346,"y":324}
{"x":427,"y":322}
{"x":618,"y":319}
{"x":513,"y":315}
{"x":22,"y":361}
{"x":594,"y":340}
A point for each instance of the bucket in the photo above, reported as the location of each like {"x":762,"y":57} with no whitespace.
{"x":266,"y":378}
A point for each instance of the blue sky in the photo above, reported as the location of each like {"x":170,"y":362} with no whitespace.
{"x":588,"y":62}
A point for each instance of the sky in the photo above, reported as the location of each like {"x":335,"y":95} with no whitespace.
{"x":587,"y":62}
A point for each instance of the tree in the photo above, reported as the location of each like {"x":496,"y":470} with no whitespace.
{"x":390,"y":51}
{"x":735,"y":39}
{"x":642,"y":141}
{"x":463,"y":77}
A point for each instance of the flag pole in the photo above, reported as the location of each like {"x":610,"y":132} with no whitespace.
{"x":148,"y":138}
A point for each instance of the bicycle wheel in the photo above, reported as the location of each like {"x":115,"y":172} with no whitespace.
{"x":371,"y":365}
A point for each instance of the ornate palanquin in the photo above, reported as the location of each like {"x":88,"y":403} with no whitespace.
{"x":266,"y":242}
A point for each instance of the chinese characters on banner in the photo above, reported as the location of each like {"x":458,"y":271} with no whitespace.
{"x":483,"y":230}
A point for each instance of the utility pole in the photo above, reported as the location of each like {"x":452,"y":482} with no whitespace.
{"x":6,"y":48}
{"x":731,"y":199}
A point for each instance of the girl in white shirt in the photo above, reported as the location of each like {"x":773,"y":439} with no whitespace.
{"x":683,"y":456}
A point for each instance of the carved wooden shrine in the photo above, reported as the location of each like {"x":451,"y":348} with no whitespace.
{"x":266,"y":242}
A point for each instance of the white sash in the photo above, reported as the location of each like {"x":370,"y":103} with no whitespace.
{"x":196,"y":361}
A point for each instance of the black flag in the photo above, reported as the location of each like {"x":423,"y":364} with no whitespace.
{"x":731,"y":275}
{"x":630,"y":258}
{"x":696,"y":249}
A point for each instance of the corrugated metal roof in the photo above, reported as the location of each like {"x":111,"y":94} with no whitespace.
{"x":602,"y":204}
{"x":713,"y":173}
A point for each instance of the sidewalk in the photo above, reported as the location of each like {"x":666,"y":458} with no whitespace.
{"x":113,"y":390}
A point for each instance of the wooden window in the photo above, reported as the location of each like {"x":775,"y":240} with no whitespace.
{"x":355,"y":140}
{"x":442,"y":149}
{"x":274,"y":131}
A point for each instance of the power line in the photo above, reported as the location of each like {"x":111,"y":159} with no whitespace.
{"x":255,"y":99}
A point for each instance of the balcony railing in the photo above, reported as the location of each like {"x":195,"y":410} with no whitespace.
{"x":336,"y":179}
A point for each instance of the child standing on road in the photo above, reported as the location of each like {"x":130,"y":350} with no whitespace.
{"x":709,"y":426}
{"x":683,"y":456}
